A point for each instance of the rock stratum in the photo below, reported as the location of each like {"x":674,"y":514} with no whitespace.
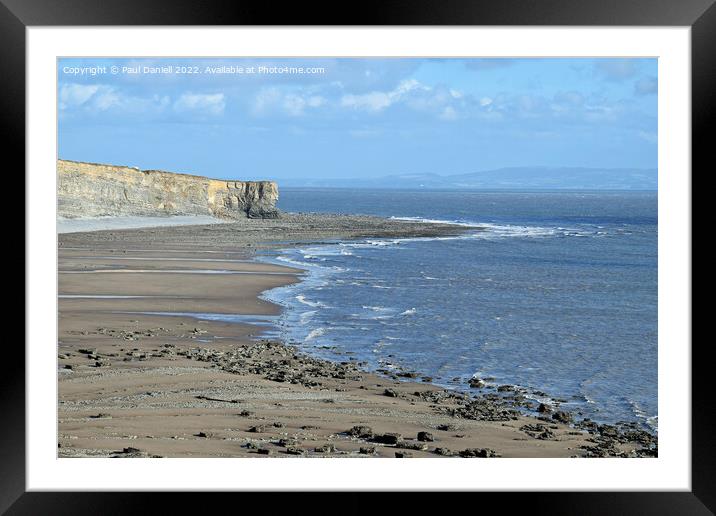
{"x":96,"y":190}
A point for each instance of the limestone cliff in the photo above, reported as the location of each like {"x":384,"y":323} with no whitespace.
{"x":93,"y":190}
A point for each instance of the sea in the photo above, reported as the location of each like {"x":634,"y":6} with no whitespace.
{"x":555,"y":292}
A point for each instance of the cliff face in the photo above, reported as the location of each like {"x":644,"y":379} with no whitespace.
{"x":92,"y":190}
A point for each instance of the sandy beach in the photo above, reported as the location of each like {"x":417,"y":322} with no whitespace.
{"x":140,"y":376}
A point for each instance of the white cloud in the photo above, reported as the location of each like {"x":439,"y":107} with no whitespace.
{"x":407,"y":86}
{"x":74,"y":95}
{"x":291,"y":103}
{"x":200,"y":103}
{"x":100,"y":98}
{"x":411,"y":92}
{"x":374,"y":101}
{"x":315,"y":101}
{"x":266,"y":98}
{"x":569,"y":107}
{"x":440,"y":102}
{"x":333,"y":98}
{"x":105,"y":100}
{"x":294,"y":104}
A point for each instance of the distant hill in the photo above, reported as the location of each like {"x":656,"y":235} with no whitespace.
{"x":532,"y":178}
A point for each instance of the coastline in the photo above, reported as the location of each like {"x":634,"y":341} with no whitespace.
{"x":215,"y":391}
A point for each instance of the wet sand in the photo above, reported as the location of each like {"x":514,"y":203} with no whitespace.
{"x":133,"y":384}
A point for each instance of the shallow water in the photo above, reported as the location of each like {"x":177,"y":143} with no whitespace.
{"x":558,"y":293}
{"x":256,"y":320}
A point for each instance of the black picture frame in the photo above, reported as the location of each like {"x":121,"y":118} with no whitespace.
{"x":700,"y":15}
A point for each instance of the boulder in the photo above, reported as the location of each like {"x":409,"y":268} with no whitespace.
{"x":388,"y":438}
{"x":478,"y":452}
{"x":362,"y":431}
{"x":425,"y":437}
{"x":562,"y":417}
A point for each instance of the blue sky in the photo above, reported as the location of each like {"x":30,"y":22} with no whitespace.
{"x":357,"y":117}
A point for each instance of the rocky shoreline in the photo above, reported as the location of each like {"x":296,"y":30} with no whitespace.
{"x":279,"y":363}
{"x":247,"y":235}
{"x":295,"y":367}
{"x":505,"y":402}
{"x":169,"y":386}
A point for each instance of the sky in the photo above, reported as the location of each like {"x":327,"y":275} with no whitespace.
{"x":357,"y":118}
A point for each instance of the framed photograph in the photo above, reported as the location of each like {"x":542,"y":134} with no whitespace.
{"x":273,"y":251}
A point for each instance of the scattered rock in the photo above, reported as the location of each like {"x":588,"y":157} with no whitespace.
{"x":444,"y":452}
{"x":537,"y":431}
{"x":388,"y":438}
{"x":646,"y":452}
{"x":544,"y":409}
{"x":478,"y":452}
{"x":403,"y":454}
{"x":281,"y":363}
{"x":608,"y":431}
{"x":409,"y":445}
{"x":130,"y":452}
{"x":562,"y":417}
{"x":425,"y":437}
{"x":484,"y":409}
{"x":367,"y":450}
{"x":441,"y":396}
{"x":362,"y":431}
{"x":476,"y":383}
